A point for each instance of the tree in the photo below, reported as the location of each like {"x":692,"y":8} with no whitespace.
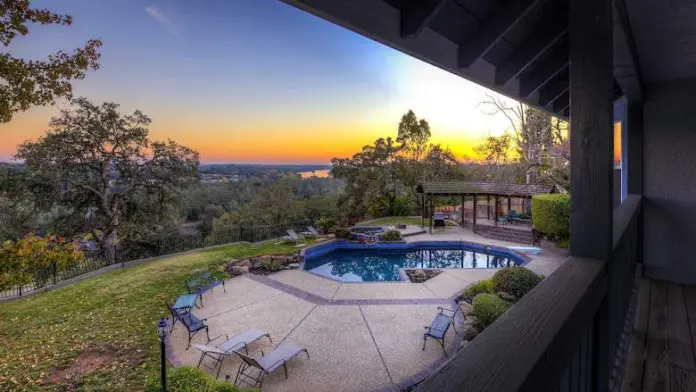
{"x":24,"y":83}
{"x":495,"y":149}
{"x":101,"y":165}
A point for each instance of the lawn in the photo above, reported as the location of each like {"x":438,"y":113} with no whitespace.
{"x":106,"y":324}
{"x":392,"y":220}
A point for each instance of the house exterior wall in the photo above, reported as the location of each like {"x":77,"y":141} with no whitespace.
{"x":669,"y":181}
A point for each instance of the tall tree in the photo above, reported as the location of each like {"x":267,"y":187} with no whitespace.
{"x":101,"y":165}
{"x":24,"y":83}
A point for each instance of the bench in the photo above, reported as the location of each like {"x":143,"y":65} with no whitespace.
{"x":203,"y":282}
{"x":192,"y":323}
{"x":440,"y":325}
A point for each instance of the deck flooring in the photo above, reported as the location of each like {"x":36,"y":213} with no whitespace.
{"x":662,"y":351}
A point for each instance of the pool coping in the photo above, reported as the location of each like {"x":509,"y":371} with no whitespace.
{"x":354,"y":245}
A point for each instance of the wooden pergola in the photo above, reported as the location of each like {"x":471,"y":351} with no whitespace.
{"x":429,"y":190}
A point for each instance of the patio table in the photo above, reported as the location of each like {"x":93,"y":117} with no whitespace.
{"x":185,"y":302}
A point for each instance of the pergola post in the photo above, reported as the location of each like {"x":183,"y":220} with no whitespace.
{"x":430,"y":216}
{"x":591,"y":149}
{"x":462,"y":211}
{"x":474,"y":227}
{"x":422,"y":210}
{"x":509,"y":204}
{"x":495,"y":210}
{"x":488,"y":206}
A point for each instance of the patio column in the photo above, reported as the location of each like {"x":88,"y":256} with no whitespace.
{"x":591,"y":128}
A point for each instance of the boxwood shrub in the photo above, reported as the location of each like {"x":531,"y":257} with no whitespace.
{"x":391,"y":235}
{"x":189,"y":379}
{"x":488,"y":307}
{"x":480,"y":287}
{"x":517,"y":281}
{"x":551,"y":214}
{"x":343,"y":233}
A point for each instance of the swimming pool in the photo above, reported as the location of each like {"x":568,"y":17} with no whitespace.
{"x":373,"y":264}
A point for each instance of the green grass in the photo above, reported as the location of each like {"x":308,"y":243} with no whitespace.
{"x":114,"y":313}
{"x":391,"y":221}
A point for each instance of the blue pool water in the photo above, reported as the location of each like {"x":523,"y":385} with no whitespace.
{"x":382,"y":265}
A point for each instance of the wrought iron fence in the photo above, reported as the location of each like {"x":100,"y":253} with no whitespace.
{"x":136,"y":250}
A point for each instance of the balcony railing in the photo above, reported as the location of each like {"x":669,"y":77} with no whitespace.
{"x":563,"y":335}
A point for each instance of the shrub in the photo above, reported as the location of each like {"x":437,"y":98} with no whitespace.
{"x":343,"y":233}
{"x":325,"y":223}
{"x":488,"y":307}
{"x":189,"y":379}
{"x":480,"y":287}
{"x":517,"y":281}
{"x":268,"y":266}
{"x":391,"y":235}
{"x":551,"y":214}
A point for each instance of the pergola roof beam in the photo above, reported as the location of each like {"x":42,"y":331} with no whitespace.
{"x":501,"y":21}
{"x":417,"y":14}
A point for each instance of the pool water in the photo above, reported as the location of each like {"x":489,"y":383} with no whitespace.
{"x":378,"y":265}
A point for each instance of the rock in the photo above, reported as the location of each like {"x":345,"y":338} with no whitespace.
{"x":506,"y":297}
{"x":463,"y":344}
{"x":470,"y":332}
{"x":293,"y":266}
{"x":465,"y":308}
{"x":419,"y":273}
{"x":237,"y":270}
{"x":255,"y":261}
{"x":473,"y":321}
{"x":244,"y":263}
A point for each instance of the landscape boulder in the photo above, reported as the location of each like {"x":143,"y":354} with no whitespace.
{"x":470,"y":332}
{"x":237,"y":270}
{"x":473,"y":321}
{"x":465,"y":308}
{"x":293,"y":265}
{"x":245,"y":263}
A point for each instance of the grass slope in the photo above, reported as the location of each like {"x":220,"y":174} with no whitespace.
{"x":109,"y":321}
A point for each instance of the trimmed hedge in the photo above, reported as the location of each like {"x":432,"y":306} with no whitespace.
{"x":391,"y":235}
{"x":480,"y":287}
{"x":516,"y":281}
{"x":189,"y":379}
{"x":343,"y":233}
{"x":551,"y":214}
{"x":488,"y":307}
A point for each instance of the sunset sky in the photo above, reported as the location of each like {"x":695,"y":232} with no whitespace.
{"x":251,"y":81}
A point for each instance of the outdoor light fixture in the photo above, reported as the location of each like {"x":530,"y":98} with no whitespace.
{"x":162,"y":332}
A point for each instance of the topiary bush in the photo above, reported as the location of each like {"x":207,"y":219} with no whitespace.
{"x":551,"y":214}
{"x":343,"y":233}
{"x":189,"y":379}
{"x":516,"y":281}
{"x":488,"y":307}
{"x":391,"y":236}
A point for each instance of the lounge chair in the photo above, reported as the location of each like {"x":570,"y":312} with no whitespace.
{"x":440,"y":325}
{"x":266,"y":364}
{"x":224,"y":350}
{"x":311,"y":232}
{"x":293,"y":236}
{"x":192,"y":323}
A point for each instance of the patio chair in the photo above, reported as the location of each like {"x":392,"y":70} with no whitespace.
{"x":203,"y":282}
{"x":266,"y":364}
{"x":224,"y":350}
{"x":192,"y":323}
{"x":293,"y":236}
{"x":440,"y":325}
{"x":311,"y":232}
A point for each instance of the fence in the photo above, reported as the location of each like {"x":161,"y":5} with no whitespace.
{"x":136,"y":250}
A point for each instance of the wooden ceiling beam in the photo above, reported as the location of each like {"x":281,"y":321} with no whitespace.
{"x":492,"y":29}
{"x":417,"y":14}
{"x":532,"y":49}
{"x":539,"y":76}
{"x":626,"y":61}
{"x":554,"y":90}
{"x":560,"y":104}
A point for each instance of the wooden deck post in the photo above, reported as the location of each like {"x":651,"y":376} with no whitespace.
{"x":591,"y":149}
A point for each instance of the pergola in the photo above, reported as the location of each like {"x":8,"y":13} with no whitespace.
{"x":429,"y":190}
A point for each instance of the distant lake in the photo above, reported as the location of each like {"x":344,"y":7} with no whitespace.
{"x":316,"y":173}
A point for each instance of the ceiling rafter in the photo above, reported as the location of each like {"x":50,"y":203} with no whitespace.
{"x":501,"y":21}
{"x":534,"y":79}
{"x":417,"y":14}
{"x":626,"y":62}
{"x":553,"y":90}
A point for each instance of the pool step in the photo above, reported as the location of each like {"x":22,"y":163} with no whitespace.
{"x":505,"y":234}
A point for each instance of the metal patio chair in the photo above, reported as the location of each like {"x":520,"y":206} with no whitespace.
{"x":253,"y":371}
{"x":225,"y":349}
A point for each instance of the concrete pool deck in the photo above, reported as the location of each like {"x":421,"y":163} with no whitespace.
{"x":360,"y":336}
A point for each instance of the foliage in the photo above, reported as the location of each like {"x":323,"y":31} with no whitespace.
{"x":488,"y":307}
{"x":551,"y":214}
{"x":495,"y":149}
{"x":516,"y":281}
{"x":480,"y":287}
{"x":27,"y":258}
{"x":325,"y":223}
{"x":343,"y":233}
{"x":101,"y":165}
{"x":391,"y":221}
{"x":190,"y":379}
{"x":268,"y":266}
{"x":116,"y":311}
{"x":24,"y":83}
{"x":391,"y":235}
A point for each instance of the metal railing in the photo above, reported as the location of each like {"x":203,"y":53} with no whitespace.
{"x":564,"y":335}
{"x":136,"y":250}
